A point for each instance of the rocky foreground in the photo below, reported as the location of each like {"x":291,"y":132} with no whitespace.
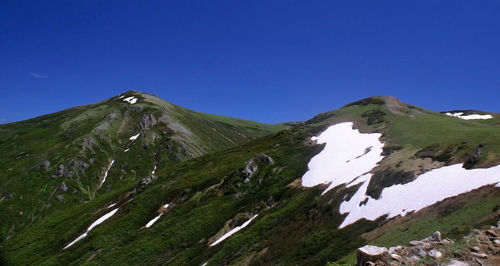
{"x":481,"y":247}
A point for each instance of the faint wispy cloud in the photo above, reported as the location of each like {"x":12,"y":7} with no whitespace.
{"x":38,"y":76}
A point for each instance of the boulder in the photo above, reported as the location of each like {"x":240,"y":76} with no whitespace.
{"x":44,"y":165}
{"x":435,"y":254}
{"x":436,"y":236}
{"x":457,"y":263}
{"x":370,"y":253}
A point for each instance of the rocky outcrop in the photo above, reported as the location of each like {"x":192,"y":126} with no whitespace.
{"x":474,"y":158}
{"x":481,"y":247}
{"x":253,"y":165}
{"x":147,"y":121}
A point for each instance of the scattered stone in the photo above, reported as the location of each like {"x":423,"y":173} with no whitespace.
{"x":447,"y":241}
{"x":475,"y":249}
{"x":419,"y":252}
{"x":397,"y":257}
{"x":479,"y":255}
{"x":415,"y":243}
{"x":59,"y":197}
{"x":491,"y":233}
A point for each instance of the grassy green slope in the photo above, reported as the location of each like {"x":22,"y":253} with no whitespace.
{"x":295,"y":225}
{"x":85,"y":139}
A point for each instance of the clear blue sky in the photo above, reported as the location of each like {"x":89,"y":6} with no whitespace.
{"x":269,"y":61}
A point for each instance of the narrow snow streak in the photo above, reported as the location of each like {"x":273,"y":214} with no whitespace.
{"x":94,"y":224}
{"x":427,"y":189}
{"x":469,"y":117}
{"x":150,"y":223}
{"x":232,"y":232}
{"x":111,"y":205}
{"x":134,"y":137}
{"x":340,"y":161}
{"x":106,"y":174}
{"x":126,"y":150}
{"x":154,"y":170}
{"x":130,"y":100}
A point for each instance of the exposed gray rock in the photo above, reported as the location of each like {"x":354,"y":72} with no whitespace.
{"x":61,"y":170}
{"x":147,"y":121}
{"x":78,"y":165}
{"x":62,"y":187}
{"x":88,"y":143}
{"x":44,"y":165}
{"x":59,"y":197}
{"x":436,"y":236}
{"x":145,"y":181}
{"x":252,"y":165}
{"x":419,"y":252}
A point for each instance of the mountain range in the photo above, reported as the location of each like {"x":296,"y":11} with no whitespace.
{"x":135,"y":179}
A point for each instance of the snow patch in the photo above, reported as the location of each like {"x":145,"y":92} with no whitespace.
{"x":94,"y":224}
{"x":426,"y":190}
{"x":469,"y":117}
{"x":154,"y":170}
{"x":111,"y":205}
{"x":106,"y":174}
{"x":134,"y":137}
{"x":234,"y":231}
{"x":347,"y":155}
{"x":120,"y":97}
{"x":130,"y":100}
{"x":126,"y":150}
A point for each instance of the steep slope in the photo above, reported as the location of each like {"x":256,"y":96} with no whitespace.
{"x":264,"y":202}
{"x":65,"y":159}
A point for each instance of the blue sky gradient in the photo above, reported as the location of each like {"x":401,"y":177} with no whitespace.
{"x":269,"y":61}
